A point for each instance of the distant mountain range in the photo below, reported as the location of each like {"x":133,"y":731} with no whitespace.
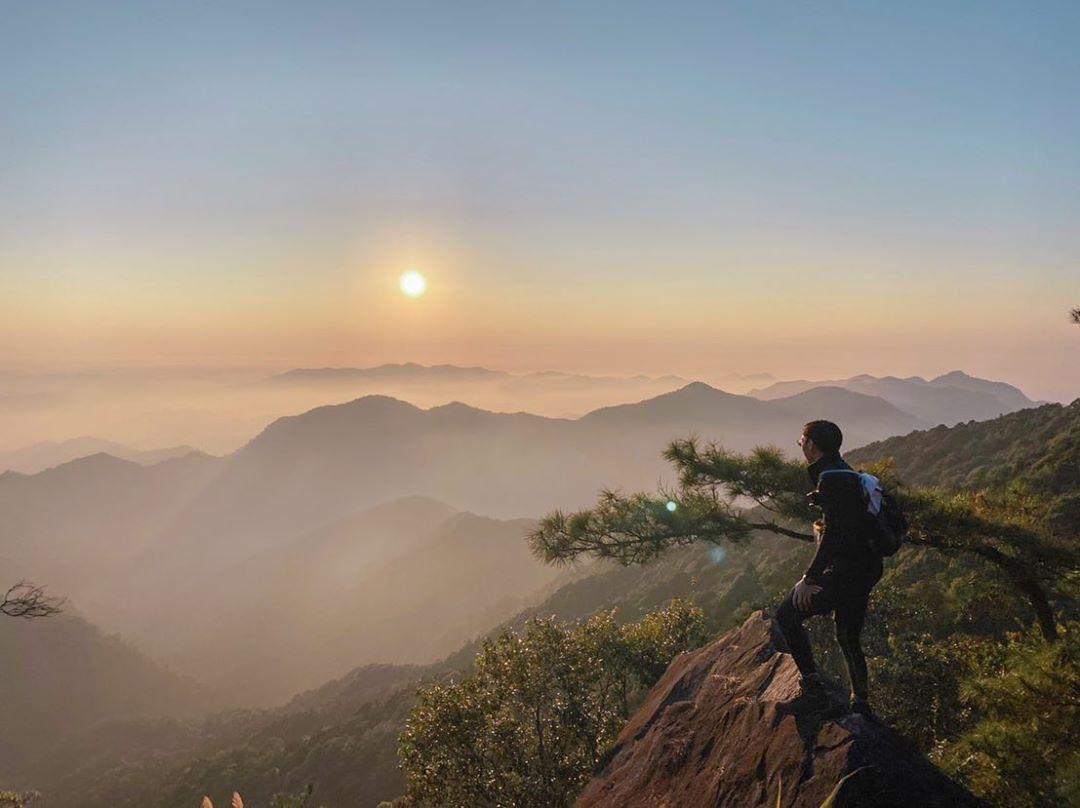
{"x":44,"y":455}
{"x":413,"y":372}
{"x":167,"y":552}
{"x":547,"y":392}
{"x":948,"y":399}
{"x":342,"y":736}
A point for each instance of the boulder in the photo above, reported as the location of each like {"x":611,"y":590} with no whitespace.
{"x":726,"y":726}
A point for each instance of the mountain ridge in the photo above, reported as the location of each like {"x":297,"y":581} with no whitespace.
{"x":128,"y":542}
{"x":947,"y":399}
{"x":43,"y":455}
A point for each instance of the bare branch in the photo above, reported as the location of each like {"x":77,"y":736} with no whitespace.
{"x":29,"y":600}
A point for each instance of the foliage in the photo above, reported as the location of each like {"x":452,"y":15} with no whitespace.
{"x":1038,"y":447}
{"x":1022,"y":751}
{"x":918,"y":685}
{"x":636,"y":528}
{"x":527,"y":727}
{"x":298,"y":800}
{"x":1008,"y":530}
{"x":956,"y":666}
{"x":17,"y":799}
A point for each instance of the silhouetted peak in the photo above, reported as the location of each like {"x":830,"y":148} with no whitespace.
{"x":694,"y":391}
{"x":376,"y":401}
{"x":694,"y":400}
{"x":696,"y":388}
{"x":834,"y":394}
{"x":99,"y":461}
{"x":456,"y":408}
{"x":954,"y":375}
{"x":334,"y":421}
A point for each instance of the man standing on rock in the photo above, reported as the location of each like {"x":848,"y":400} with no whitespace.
{"x":843,"y":571}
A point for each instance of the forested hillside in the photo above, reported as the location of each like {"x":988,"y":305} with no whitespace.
{"x":1039,"y":445}
{"x":1037,"y":449}
{"x":342,"y":737}
{"x":63,"y":675}
{"x":947,"y":629}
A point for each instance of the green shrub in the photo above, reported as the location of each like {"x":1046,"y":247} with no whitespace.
{"x":527,"y":727}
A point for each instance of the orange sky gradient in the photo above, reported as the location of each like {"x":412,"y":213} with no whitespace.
{"x":806,"y":192}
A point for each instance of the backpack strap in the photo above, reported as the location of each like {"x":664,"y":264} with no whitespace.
{"x":862,"y":489}
{"x":838,"y":471}
{"x":872,"y":497}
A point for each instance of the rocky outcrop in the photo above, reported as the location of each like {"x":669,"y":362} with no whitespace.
{"x":726,"y":726}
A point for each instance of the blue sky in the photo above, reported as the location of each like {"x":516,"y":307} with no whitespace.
{"x":636,"y":165}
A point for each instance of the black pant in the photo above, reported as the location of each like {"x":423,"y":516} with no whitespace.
{"x":846,"y":596}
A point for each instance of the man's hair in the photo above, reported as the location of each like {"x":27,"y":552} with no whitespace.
{"x":825,"y":434}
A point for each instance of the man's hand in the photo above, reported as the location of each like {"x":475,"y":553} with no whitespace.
{"x":803,"y":593}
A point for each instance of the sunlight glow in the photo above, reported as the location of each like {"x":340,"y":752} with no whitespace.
{"x":412,"y":283}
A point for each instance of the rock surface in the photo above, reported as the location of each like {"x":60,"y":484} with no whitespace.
{"x":725,"y":726}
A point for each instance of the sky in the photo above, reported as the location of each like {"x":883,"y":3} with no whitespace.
{"x":806,"y":189}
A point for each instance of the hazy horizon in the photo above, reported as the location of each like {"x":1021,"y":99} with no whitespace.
{"x":217,"y":410}
{"x":812,"y":192}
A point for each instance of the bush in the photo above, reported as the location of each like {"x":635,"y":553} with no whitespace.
{"x":528,"y":726}
{"x":17,"y":799}
{"x":1022,"y":751}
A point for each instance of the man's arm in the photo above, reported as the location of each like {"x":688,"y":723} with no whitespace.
{"x":829,"y":545}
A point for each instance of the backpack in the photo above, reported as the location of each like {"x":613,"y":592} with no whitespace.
{"x":887,"y":526}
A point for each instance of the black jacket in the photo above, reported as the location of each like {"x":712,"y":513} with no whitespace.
{"x":842,"y":546}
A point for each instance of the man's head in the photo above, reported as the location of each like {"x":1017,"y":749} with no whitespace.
{"x":820,"y":438}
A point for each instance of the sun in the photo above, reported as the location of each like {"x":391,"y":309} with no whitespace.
{"x":412,"y":283}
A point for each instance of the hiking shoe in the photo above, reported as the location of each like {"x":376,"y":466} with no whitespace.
{"x":814,"y":695}
{"x":861,"y":707}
